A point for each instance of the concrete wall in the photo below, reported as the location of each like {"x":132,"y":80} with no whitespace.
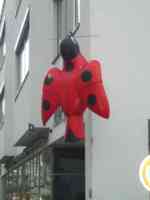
{"x":120,"y":39}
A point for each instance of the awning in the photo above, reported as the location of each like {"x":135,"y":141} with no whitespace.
{"x":33,"y":135}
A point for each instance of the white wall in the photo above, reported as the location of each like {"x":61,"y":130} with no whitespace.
{"x":27,"y":107}
{"x":121,"y":39}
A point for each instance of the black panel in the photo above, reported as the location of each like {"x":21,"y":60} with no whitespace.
{"x":69,"y":181}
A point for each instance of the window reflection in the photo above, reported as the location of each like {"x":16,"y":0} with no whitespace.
{"x":22,"y":50}
{"x":24,"y":60}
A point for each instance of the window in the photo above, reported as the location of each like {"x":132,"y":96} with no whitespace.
{"x":68,"y":16}
{"x":61,"y":8}
{"x":2,"y":4}
{"x":2,"y":42}
{"x":17,"y":5}
{"x":59,"y":22}
{"x":22,"y":49}
{"x":24,"y":59}
{"x":58,"y":117}
{"x":2,"y":104}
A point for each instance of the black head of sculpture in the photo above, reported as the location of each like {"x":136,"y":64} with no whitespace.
{"x":69,"y":48}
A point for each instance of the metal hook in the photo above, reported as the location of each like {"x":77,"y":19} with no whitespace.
{"x":70,"y":34}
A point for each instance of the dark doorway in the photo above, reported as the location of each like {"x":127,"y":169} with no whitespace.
{"x":69,"y":170}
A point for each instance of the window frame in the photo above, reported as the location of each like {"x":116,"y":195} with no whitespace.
{"x":23,"y":36}
{"x":2,"y":26}
{"x":18,"y":5}
{"x":22,"y":29}
{"x":2,"y":103}
{"x":3,"y":41}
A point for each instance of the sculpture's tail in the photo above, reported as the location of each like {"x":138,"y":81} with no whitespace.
{"x":75,"y":128}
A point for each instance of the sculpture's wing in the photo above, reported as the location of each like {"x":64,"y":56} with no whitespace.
{"x":50,"y":94}
{"x":91,"y":89}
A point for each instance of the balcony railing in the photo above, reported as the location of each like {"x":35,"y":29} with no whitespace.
{"x":35,"y":179}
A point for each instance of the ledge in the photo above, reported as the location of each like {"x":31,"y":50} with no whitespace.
{"x":33,"y":135}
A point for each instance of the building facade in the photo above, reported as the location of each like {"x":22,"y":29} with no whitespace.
{"x":35,"y":162}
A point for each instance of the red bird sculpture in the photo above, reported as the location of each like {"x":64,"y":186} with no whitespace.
{"x":75,"y":88}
